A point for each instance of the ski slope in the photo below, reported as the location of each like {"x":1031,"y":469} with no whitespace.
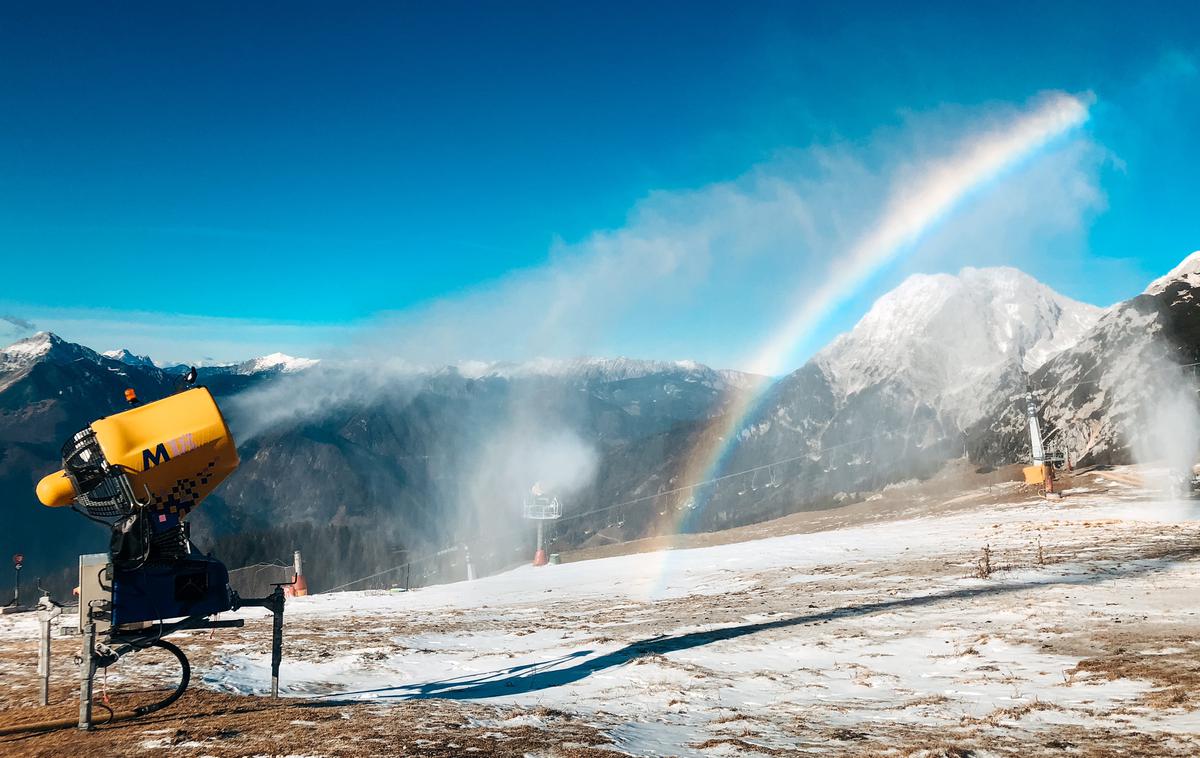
{"x":782,"y":643}
{"x":863,"y":640}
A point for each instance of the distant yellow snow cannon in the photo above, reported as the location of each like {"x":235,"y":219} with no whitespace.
{"x":141,"y":472}
{"x":1044,"y":464}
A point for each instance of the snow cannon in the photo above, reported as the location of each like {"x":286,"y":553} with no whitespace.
{"x":146,"y":469}
{"x":141,"y":472}
{"x":166,"y":455}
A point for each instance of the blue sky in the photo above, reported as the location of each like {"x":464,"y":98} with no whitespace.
{"x":219,"y":180}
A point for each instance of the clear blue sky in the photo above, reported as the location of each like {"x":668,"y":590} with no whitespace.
{"x":318,"y":163}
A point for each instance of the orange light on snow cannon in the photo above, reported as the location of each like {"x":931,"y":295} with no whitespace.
{"x":131,"y":396}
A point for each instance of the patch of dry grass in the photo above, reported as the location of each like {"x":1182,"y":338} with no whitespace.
{"x":212,"y":724}
{"x":1176,"y":677}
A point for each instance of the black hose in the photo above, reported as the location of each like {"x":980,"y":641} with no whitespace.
{"x":185,"y":676}
{"x":112,"y":715}
{"x":67,"y":723}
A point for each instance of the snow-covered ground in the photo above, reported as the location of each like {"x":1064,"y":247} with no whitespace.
{"x":860,"y":639}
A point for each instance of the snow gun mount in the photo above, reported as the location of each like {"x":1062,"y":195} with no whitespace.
{"x":140,"y":472}
{"x":1045,"y":463}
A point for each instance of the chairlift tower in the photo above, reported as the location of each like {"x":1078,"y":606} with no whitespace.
{"x":541,"y":508}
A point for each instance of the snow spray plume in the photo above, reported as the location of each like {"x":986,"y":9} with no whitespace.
{"x":315,"y":393}
{"x":512,"y":462}
{"x":533,"y":444}
{"x":1168,"y":429}
{"x":915,"y":208}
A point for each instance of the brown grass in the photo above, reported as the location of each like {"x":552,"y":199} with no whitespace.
{"x":1176,"y":678}
{"x":205,"y":723}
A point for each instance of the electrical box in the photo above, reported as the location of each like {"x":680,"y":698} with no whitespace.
{"x":95,"y":591}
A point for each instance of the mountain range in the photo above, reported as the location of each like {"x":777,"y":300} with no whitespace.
{"x":362,"y":463}
{"x":892,"y":398}
{"x":1122,"y":391}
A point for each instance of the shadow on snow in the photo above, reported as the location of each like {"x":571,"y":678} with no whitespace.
{"x":576,"y":666}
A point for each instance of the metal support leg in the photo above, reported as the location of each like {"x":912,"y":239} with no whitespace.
{"x":276,"y":638}
{"x":87,"y":673}
{"x":274,"y":603}
{"x":47,"y":612}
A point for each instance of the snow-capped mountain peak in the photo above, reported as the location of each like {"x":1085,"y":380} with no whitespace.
{"x":278,"y":362}
{"x":129,"y":358}
{"x":31,"y":348}
{"x":48,"y":345}
{"x":1187,"y":271}
{"x":42,"y":346}
{"x":942,"y":335}
{"x":1124,"y":391}
{"x":24,"y":355}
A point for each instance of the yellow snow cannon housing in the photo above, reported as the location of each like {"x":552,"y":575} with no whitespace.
{"x":172,"y":452}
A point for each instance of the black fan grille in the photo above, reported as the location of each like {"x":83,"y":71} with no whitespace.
{"x":100,"y":489}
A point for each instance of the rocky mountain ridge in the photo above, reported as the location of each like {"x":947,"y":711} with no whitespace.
{"x":1128,"y":381}
{"x":894,"y":397}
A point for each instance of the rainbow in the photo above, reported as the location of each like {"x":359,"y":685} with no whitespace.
{"x":914,"y":210}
